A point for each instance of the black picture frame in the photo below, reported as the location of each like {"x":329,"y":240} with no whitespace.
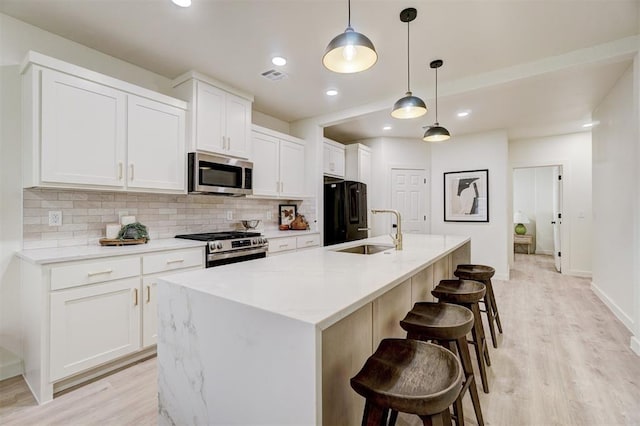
{"x":466,"y":196}
{"x":286,"y":213}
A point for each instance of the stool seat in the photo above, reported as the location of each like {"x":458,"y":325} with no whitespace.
{"x":439,"y":321}
{"x":410,"y":376}
{"x":474,"y":272}
{"x":459,"y":291}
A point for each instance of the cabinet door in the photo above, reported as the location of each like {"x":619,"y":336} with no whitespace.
{"x":291,"y":168}
{"x":93,"y":324}
{"x":266,"y":164}
{"x":238,"y":126}
{"x":149,"y":311}
{"x":156,"y":145}
{"x":210,"y":118}
{"x":338,"y":159}
{"x":333,"y":160}
{"x":82,"y":131}
{"x":364,"y":164}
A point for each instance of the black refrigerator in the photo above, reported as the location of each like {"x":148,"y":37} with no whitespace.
{"x":345,"y":211}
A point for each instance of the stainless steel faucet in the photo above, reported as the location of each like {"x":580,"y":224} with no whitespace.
{"x":397,"y":240}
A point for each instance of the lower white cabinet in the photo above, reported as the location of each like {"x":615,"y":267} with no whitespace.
{"x":81,"y":318}
{"x":93,"y":324}
{"x":283,"y":244}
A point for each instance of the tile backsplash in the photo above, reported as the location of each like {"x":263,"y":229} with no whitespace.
{"x":86,"y":213}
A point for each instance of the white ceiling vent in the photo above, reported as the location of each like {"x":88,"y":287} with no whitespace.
{"x":274,"y":75}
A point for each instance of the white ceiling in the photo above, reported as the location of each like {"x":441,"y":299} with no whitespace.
{"x":527,"y":66}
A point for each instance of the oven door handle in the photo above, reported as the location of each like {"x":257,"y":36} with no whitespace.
{"x":238,"y":253}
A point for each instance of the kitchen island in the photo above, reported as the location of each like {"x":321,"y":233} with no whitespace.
{"x":274,"y":341}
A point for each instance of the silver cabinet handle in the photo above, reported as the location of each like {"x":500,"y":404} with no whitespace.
{"x":170,"y":261}
{"x":131,"y":177}
{"x":120,"y":170}
{"x":106,"y":271}
{"x":228,"y":143}
{"x":135,"y":297}
{"x":149,"y":293}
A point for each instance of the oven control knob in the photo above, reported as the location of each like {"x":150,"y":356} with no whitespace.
{"x":219,"y":245}
{"x":263,"y":240}
{"x":259,"y":240}
{"x":254,"y":241}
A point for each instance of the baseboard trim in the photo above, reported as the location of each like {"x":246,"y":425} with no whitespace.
{"x":581,"y":274}
{"x":615,"y":309}
{"x":545,"y":252}
{"x":635,"y":345}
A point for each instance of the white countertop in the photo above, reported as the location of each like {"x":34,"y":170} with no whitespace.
{"x":319,"y":286}
{"x":66,"y":254}
{"x":276,"y":233}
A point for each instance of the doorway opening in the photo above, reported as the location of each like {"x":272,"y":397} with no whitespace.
{"x":537,"y":211}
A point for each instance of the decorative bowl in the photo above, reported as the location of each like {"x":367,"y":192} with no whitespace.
{"x":250,"y":224}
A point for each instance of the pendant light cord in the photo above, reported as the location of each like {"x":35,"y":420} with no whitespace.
{"x":349,"y":21}
{"x":408,"y":60}
{"x":436,"y":95}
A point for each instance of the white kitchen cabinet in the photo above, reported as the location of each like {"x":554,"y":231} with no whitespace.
{"x":358,"y":163}
{"x":219,"y":117}
{"x":85,"y":318}
{"x":278,"y":165}
{"x":156,"y":145}
{"x":333,"y":158}
{"x":289,"y":242}
{"x":93,"y":324}
{"x":82,"y":129}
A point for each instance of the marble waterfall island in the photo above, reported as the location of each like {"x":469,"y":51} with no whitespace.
{"x":274,"y":341}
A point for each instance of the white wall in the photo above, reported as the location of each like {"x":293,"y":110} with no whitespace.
{"x":573,"y":153}
{"x":388,"y":153}
{"x":489,"y":241}
{"x":533,"y":195}
{"x":265,"y":120}
{"x":615,"y":178}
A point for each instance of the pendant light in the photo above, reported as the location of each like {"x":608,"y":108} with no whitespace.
{"x":349,"y":52}
{"x":410,"y":106}
{"x":436,"y":133}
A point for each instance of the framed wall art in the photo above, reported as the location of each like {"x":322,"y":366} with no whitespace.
{"x":287,"y":213}
{"x":466,"y":196}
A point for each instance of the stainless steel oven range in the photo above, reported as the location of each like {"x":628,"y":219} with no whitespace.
{"x":231,"y":246}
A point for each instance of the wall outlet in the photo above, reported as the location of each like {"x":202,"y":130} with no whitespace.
{"x":229,"y":214}
{"x":269,"y":217}
{"x":55,"y":218}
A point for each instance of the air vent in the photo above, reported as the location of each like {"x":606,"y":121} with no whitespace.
{"x":274,"y":75}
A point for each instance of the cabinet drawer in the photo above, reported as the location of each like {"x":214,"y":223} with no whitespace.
{"x":282,"y":244}
{"x":308,"y":241}
{"x":93,"y":272}
{"x":170,"y":260}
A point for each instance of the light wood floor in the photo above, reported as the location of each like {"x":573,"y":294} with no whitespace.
{"x":563,"y":360}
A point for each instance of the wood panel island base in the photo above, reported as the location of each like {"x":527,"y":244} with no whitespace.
{"x":275,"y":341}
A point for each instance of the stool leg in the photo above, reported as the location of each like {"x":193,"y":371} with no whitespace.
{"x":426,"y":420}
{"x":446,"y":417}
{"x":494,"y":305}
{"x":489,"y":310}
{"x":457,"y":404}
{"x":479,"y":345}
{"x":374,"y":415}
{"x":467,"y":367}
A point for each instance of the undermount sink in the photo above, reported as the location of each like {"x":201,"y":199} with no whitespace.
{"x":366,"y":249}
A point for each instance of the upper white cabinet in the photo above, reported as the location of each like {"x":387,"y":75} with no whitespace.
{"x":156,"y":149}
{"x":83,"y":129}
{"x":333,"y":158}
{"x":278,"y":164}
{"x":358,"y":163}
{"x":219,"y":116}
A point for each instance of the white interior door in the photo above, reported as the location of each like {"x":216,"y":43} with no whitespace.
{"x":408,"y":195}
{"x":556,"y":220}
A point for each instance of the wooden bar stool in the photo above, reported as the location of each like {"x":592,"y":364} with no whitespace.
{"x":408,"y":376}
{"x":483,"y":274}
{"x":468,"y":293}
{"x":449,"y":325}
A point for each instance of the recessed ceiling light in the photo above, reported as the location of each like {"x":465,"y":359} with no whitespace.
{"x":332,"y":92}
{"x":182,"y":3}
{"x":386,"y":128}
{"x":464,"y":113}
{"x":587,"y":125}
{"x":279,"y":61}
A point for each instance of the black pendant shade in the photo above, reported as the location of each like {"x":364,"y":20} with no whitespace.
{"x":349,"y":52}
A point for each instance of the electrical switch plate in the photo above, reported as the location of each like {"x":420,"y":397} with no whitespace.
{"x":55,"y":218}
{"x":229,"y":214}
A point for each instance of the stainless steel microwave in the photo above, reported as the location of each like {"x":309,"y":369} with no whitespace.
{"x":212,"y":174}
